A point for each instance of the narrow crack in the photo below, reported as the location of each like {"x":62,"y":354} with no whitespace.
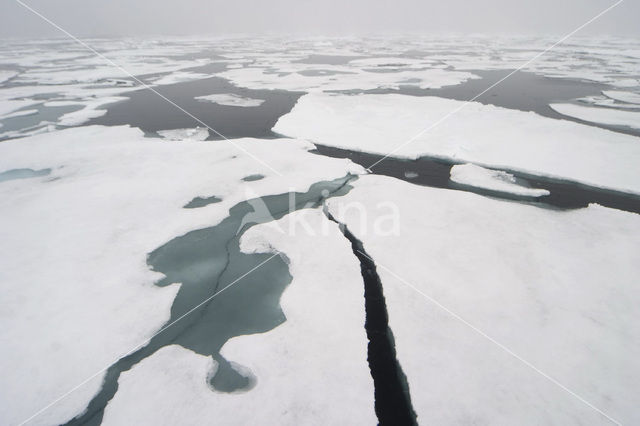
{"x":392,"y":397}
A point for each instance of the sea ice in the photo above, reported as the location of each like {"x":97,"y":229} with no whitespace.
{"x":494,"y":180}
{"x":611,"y":116}
{"x":558,"y":288}
{"x":629,"y":97}
{"x":197,"y":134}
{"x":229,"y":99}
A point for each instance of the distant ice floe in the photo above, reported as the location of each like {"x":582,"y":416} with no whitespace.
{"x":494,"y":180}
{"x":197,"y":134}
{"x":75,"y":244}
{"x":229,"y":99}
{"x":610,"y":116}
{"x":308,"y":361}
{"x":6,"y":75}
{"x":21,"y":113}
{"x":410,"y":126}
{"x":526,"y":277}
{"x":628,"y":97}
{"x":179,"y":77}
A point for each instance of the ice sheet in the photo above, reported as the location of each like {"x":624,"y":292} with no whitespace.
{"x":558,"y":288}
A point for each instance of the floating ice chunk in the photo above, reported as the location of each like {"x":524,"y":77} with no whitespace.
{"x":494,"y":180}
{"x":21,"y":113}
{"x":629,"y":97}
{"x":611,"y":116}
{"x":412,"y":126}
{"x":230,"y":99}
{"x":91,"y":110}
{"x":528,"y":278}
{"x":9,"y":106}
{"x":179,"y":77}
{"x":197,"y":134}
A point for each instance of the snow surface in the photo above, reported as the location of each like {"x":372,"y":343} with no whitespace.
{"x":197,"y":134}
{"x":230,"y":99}
{"x":495,"y":180}
{"x":629,"y":97}
{"x":346,"y":79}
{"x":312,"y":369}
{"x":609,"y":116}
{"x":77,"y":293}
{"x":558,"y":288}
{"x":467,"y":132}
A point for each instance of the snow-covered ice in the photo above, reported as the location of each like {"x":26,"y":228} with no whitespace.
{"x":229,"y":99}
{"x":411,"y":126}
{"x":312,"y":369}
{"x":558,"y":288}
{"x":74,"y":278}
{"x":611,"y":116}
{"x":494,"y":180}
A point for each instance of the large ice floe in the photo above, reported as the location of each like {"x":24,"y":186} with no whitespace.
{"x":77,"y":292}
{"x":410,"y":127}
{"x":310,"y":370}
{"x":229,"y":99}
{"x":610,"y":116}
{"x":495,"y":306}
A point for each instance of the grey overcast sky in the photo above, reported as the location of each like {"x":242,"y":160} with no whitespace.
{"x":326,"y":17}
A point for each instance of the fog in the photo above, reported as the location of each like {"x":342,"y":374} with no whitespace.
{"x":328,"y":17}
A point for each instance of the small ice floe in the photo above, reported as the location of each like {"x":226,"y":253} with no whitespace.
{"x":179,"y":77}
{"x":410,"y":175}
{"x":493,"y":180}
{"x":21,"y":113}
{"x":197,"y":134}
{"x":628,"y":97}
{"x":229,"y":99}
{"x":610,"y":116}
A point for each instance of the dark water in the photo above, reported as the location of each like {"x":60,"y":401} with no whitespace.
{"x":209,"y":262}
{"x":524,"y":91}
{"x":201,"y":202}
{"x":151,"y":113}
{"x":328,"y":59}
{"x":436,"y":173}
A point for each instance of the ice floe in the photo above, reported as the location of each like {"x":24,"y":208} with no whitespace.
{"x":558,"y":288}
{"x":229,"y":99}
{"x":493,"y":180}
{"x":409,"y":126}
{"x":628,"y":97}
{"x":312,"y":369}
{"x":74,"y":278}
{"x":197,"y":134}
{"x":610,"y":116}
